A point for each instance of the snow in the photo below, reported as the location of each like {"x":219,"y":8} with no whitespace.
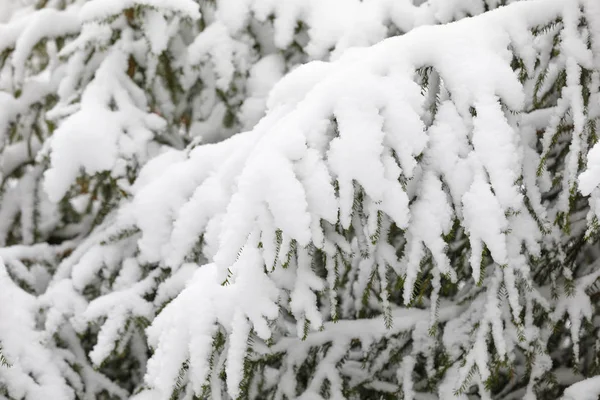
{"x":479,"y":172}
{"x":263,"y":76}
{"x":45,"y":23}
{"x":118,"y":307}
{"x":216,"y":45}
{"x":495,"y":142}
{"x":485,"y":221}
{"x":34,"y":371}
{"x":590,"y":178}
{"x":102,"y":9}
{"x":431,"y":216}
{"x":61,"y":302}
{"x":92,"y":138}
{"x":213,"y":302}
{"x":157,"y":30}
{"x":588,"y":389}
{"x":408,"y":364}
{"x":93,"y":146}
{"x":16,"y":154}
{"x":281,"y":175}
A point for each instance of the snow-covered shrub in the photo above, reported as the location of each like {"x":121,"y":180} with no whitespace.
{"x":418,"y":217}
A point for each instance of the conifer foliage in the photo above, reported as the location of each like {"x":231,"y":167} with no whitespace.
{"x":259,"y":199}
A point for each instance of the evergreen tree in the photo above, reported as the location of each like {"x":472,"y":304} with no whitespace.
{"x":263,"y":199}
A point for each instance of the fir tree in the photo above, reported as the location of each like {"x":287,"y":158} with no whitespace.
{"x":256,"y":199}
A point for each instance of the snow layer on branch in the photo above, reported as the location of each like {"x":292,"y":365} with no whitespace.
{"x":102,"y":9}
{"x":45,"y":23}
{"x":90,"y":144}
{"x":153,"y":207}
{"x":362,"y":23}
{"x":431,"y":219}
{"x":203,"y":303}
{"x":352,"y":145}
{"x":93,"y":139}
{"x":335,"y":121}
{"x":215,"y":44}
{"x":35,"y":372}
{"x":588,"y":389}
{"x":590,"y":178}
{"x":118,"y":307}
{"x":263,"y":76}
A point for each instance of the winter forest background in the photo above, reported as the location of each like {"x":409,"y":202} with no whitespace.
{"x":299,"y":199}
